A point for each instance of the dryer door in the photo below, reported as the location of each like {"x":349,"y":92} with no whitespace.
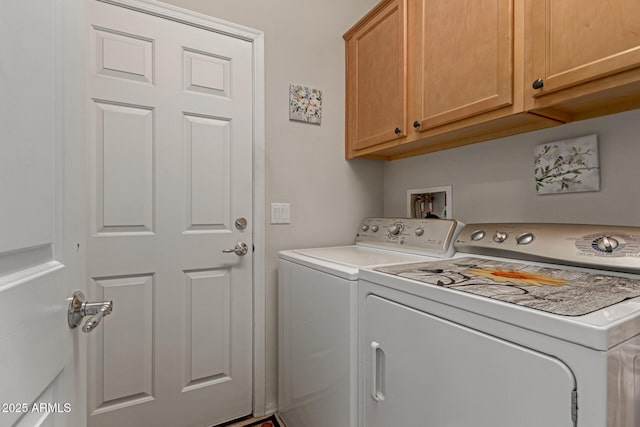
{"x":423,"y":370}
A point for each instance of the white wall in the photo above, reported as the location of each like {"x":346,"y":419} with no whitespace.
{"x":493,"y":181}
{"x":305,"y":163}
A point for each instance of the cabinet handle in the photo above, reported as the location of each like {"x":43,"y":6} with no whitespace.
{"x":538,"y":84}
{"x":416,"y":124}
{"x":397,"y":131}
{"x":377,"y":374}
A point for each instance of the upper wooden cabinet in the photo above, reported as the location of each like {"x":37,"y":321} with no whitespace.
{"x":376,"y":61}
{"x":458,"y":77}
{"x":426,"y":75}
{"x":582,"y":57}
{"x":462,"y":59}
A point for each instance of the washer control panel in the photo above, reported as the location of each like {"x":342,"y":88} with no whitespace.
{"x":427,"y":236}
{"x":598,"y":246}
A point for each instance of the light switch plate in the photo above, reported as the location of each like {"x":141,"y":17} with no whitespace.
{"x":280,"y":213}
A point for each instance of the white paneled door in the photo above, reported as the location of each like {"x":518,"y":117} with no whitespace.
{"x":170,"y":161}
{"x":42,"y":233}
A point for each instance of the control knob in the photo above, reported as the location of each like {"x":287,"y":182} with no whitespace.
{"x":524,"y":238}
{"x":374,"y":228}
{"x":419,"y":231}
{"x":477,"y":235}
{"x":607,"y":244}
{"x":500,"y":237}
{"x":365,"y":227}
{"x":395,"y":229}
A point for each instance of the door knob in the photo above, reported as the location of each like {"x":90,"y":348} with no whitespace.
{"x":538,"y":84}
{"x":240,"y":249}
{"x":79,"y":308}
{"x":241,"y":223}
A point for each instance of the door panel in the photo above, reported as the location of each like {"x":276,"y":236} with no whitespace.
{"x":206,"y":73}
{"x":41,"y":218}
{"x":428,"y":371}
{"x":124,"y":56}
{"x":207,"y":295}
{"x":567,"y":42}
{"x":124,"y":147}
{"x":466,"y":65}
{"x":376,"y":72}
{"x":207,"y":151}
{"x":171,"y":165}
{"x":130,"y":364}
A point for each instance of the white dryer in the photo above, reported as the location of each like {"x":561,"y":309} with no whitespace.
{"x":522,"y":327}
{"x":317,"y":314}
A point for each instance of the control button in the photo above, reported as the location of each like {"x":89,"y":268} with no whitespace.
{"x":419,"y":231}
{"x":607,"y":244}
{"x":500,"y":237}
{"x":477,"y":235}
{"x":524,"y":238}
{"x":374,"y":228}
{"x":365,"y":227}
{"x":395,"y":229}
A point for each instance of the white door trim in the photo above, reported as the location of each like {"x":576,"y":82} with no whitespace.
{"x":256,"y":38}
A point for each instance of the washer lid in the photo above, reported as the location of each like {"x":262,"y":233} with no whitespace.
{"x":358,"y":256}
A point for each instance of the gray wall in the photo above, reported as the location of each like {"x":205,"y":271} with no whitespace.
{"x":493,"y":181}
{"x":305,"y":163}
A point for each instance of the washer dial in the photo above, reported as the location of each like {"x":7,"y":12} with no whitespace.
{"x":609,"y":245}
{"x":395,"y":229}
{"x":605,"y":244}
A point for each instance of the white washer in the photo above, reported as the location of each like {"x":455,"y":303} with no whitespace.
{"x":523,"y":327}
{"x":317,"y":314}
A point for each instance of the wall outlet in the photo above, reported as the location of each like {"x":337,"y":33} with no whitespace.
{"x":280,"y":213}
{"x":432,"y":201}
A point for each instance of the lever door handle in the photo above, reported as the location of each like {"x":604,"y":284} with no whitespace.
{"x":79,"y":308}
{"x":240,"y":249}
{"x":104,"y":310}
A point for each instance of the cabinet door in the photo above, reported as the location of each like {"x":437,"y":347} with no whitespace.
{"x":463,"y":59}
{"x":420,"y":370}
{"x":376,"y":77}
{"x":570,"y":42}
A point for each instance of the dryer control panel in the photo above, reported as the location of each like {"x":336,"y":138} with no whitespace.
{"x":433,"y":237}
{"x":605,"y":247}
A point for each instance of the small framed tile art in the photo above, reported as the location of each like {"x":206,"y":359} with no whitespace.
{"x":305,"y":104}
{"x":567,"y":166}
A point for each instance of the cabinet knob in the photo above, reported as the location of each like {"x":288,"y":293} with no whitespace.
{"x":416,"y":124}
{"x":397,"y":131}
{"x":538,"y":84}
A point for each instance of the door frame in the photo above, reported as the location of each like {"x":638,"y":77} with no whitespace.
{"x":256,"y":38}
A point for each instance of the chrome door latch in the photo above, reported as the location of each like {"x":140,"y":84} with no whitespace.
{"x":240,"y":249}
{"x":79,"y":308}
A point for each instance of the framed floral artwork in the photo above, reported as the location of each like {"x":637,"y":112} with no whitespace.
{"x":305,"y":104}
{"x":567,"y":166}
